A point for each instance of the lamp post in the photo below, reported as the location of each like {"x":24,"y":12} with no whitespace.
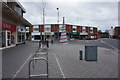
{"x":58,"y":21}
{"x":58,"y":15}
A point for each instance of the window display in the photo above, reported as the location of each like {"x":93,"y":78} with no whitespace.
{"x":3,"y":38}
{"x":19,"y":37}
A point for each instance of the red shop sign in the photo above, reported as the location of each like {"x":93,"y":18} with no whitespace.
{"x":7,"y":26}
{"x":92,"y":33}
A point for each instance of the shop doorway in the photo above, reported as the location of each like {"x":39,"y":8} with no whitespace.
{"x":10,"y":38}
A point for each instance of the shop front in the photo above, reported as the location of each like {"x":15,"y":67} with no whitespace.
{"x":57,"y":35}
{"x":7,"y":34}
{"x":92,"y":35}
{"x":83,"y":35}
{"x":20,"y":34}
{"x":74,"y":35}
{"x":36,"y":36}
{"x":48,"y":35}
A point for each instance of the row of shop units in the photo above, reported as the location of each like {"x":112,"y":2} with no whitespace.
{"x":41,"y":32}
{"x":36,"y":36}
{"x":11,"y":35}
{"x":12,"y":25}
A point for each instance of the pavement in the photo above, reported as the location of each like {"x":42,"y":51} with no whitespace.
{"x":13,"y":58}
{"x":63,"y":61}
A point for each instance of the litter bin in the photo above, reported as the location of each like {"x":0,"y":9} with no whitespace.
{"x":91,"y":53}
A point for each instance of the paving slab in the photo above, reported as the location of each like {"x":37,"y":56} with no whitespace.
{"x":68,"y":57}
{"x":63,"y":62}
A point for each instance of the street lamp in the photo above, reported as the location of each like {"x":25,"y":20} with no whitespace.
{"x":58,"y":15}
{"x":58,"y":21}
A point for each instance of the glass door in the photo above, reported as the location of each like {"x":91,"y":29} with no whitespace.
{"x":8,"y":38}
{"x":12,"y":38}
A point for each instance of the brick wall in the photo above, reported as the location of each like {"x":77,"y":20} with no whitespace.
{"x":80,"y":28}
{"x":52,"y":28}
{"x":94,"y":30}
{"x":56,"y":28}
{"x":42,"y":28}
{"x":71,"y":28}
{"x":31,"y":29}
{"x":67,"y":28}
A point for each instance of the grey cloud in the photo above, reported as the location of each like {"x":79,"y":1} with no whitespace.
{"x":102,"y":14}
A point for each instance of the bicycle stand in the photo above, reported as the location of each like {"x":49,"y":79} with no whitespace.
{"x":40,"y":52}
{"x":39,"y":75}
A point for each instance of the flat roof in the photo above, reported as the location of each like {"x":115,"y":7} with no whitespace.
{"x":65,"y":24}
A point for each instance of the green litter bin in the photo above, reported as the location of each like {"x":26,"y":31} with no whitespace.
{"x":91,"y":53}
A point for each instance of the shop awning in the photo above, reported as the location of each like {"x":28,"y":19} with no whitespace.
{"x":14,"y":15}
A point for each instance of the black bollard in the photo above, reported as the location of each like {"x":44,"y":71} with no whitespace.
{"x":39,"y":44}
{"x":80,"y":55}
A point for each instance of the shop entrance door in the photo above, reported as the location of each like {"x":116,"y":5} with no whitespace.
{"x":8,"y":38}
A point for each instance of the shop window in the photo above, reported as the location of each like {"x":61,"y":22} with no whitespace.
{"x":74,"y":29}
{"x":18,"y":10}
{"x":48,"y":29}
{"x":36,"y":29}
{"x":27,"y":29}
{"x":19,"y":37}
{"x":91,"y":31}
{"x":2,"y":38}
{"x":36,"y":37}
{"x":23,"y":37}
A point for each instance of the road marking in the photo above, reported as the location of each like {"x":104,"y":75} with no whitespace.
{"x":59,"y":66}
{"x":22,"y":66}
{"x":109,"y":44}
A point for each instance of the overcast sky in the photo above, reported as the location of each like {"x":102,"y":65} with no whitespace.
{"x":102,"y":14}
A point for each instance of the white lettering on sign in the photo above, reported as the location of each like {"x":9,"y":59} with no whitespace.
{"x":6,"y":26}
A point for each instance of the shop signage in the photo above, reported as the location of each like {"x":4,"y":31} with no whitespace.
{"x":7,"y":26}
{"x":36,"y":33}
{"x":48,"y":33}
{"x":20,"y":29}
{"x":83,"y":33}
{"x":92,"y":33}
